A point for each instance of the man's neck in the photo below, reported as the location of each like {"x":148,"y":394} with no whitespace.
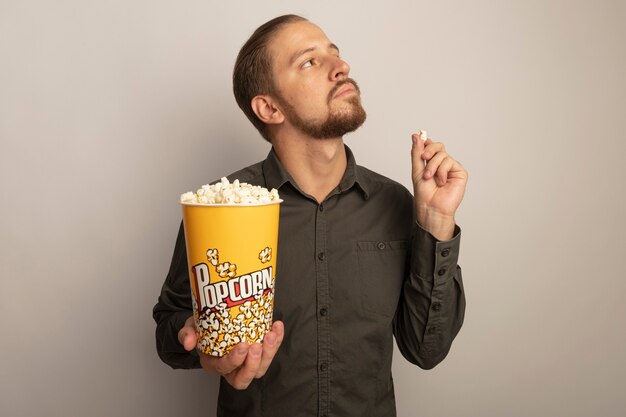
{"x":317,"y":165}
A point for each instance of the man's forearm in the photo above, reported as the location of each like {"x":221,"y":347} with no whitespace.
{"x":173,"y":308}
{"x":169,"y":348}
{"x":432,"y":305}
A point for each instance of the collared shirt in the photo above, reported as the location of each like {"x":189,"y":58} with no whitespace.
{"x":352,"y":272}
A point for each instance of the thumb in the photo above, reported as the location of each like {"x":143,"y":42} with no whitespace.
{"x":417,"y":149}
{"x":187,"y":335}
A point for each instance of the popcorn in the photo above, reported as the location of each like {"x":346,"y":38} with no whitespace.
{"x":226,"y":270}
{"x":265,"y":255}
{"x":188,"y":197}
{"x":212,"y":256}
{"x":423,"y":135}
{"x":218,"y":332}
{"x":236,"y":192}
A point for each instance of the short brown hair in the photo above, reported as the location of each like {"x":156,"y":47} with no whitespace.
{"x":252,"y":74}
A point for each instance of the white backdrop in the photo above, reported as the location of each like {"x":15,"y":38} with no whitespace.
{"x":109,"y":110}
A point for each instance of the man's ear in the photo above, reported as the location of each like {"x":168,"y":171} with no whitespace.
{"x":266,"y":111}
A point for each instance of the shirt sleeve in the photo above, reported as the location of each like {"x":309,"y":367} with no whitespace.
{"x":431,"y":309}
{"x":172,"y":310}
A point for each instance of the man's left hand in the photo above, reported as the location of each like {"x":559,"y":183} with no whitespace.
{"x":439,"y":184}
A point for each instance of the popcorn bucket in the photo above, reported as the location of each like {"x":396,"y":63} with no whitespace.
{"x":231,"y":250}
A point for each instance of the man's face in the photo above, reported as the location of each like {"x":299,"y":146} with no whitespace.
{"x":312,"y":85}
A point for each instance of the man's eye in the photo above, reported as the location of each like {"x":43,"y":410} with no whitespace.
{"x":308,"y":63}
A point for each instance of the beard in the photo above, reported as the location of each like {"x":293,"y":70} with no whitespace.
{"x":339,"y":121}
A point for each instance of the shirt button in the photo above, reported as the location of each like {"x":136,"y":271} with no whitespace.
{"x":321,"y":207}
{"x":437,"y":306}
{"x":441,"y":271}
{"x":445,"y":252}
{"x":324,"y":367}
{"x":381,"y":245}
{"x":323,"y":312}
{"x":320,"y":256}
{"x":432,"y":330}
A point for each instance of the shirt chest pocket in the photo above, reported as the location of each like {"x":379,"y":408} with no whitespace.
{"x":382,"y":267}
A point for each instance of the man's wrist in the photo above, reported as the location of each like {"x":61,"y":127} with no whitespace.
{"x":438,"y":225}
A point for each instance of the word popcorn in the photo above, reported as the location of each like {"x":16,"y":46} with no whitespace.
{"x":232,"y":291}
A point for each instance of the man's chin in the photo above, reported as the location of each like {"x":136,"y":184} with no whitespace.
{"x":350,"y":110}
{"x":354,"y":119}
{"x":343,"y":126}
{"x":346,"y":119}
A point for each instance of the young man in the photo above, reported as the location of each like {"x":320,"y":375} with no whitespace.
{"x":360,"y":260}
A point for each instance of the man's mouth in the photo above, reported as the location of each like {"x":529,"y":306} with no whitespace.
{"x":347,"y":89}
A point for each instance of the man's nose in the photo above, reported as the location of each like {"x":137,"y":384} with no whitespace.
{"x":340,"y":70}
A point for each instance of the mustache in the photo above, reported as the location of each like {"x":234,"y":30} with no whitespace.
{"x":341,"y":84}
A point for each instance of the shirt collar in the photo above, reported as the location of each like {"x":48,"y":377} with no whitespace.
{"x":276,"y":175}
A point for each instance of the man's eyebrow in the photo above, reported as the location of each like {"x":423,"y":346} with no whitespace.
{"x":298,"y":54}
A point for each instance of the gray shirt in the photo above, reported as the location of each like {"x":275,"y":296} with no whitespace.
{"x":352,"y":272}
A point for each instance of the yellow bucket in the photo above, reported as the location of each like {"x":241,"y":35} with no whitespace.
{"x":231,"y":252}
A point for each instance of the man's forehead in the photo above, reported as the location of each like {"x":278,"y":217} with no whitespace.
{"x":295,"y":37}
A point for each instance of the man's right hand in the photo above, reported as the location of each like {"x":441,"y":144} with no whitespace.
{"x":244,"y":362}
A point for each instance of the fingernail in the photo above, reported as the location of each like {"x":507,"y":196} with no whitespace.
{"x":255,"y":349}
{"x":242,"y":350}
{"x":414,"y":140}
{"x":270,"y":339}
